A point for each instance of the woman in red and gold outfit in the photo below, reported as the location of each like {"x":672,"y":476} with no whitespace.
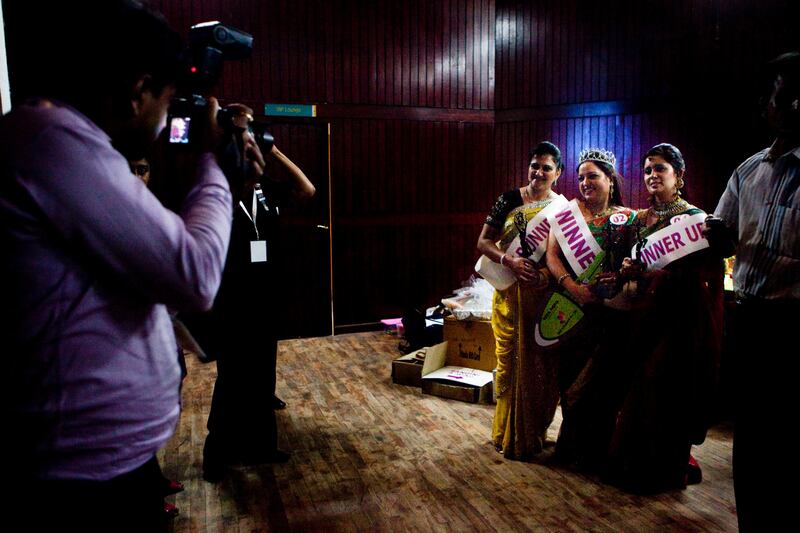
{"x":590,"y":358}
{"x":678,"y":325}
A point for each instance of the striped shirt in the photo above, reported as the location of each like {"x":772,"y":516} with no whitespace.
{"x":762,"y":202}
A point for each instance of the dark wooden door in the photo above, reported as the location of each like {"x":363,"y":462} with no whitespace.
{"x":304,"y":284}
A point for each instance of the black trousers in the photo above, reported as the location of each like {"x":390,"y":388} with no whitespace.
{"x":132,"y":502}
{"x":765,"y":457}
{"x":242,"y":422}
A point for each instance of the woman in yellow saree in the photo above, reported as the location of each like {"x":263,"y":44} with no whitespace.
{"x":514,"y":236}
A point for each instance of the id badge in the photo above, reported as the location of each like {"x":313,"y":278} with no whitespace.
{"x":258,"y":251}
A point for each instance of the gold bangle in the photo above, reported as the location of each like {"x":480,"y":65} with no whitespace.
{"x":562,"y":278}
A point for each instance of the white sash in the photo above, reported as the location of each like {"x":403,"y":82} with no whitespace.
{"x":536,"y":232}
{"x":576,"y":241}
{"x":682,"y":237}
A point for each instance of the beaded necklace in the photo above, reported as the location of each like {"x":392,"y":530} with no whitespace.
{"x":604,"y":212}
{"x":528,"y":200}
{"x":673,"y":207}
{"x":607,"y":211}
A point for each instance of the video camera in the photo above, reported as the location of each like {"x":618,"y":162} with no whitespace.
{"x":210,"y":44}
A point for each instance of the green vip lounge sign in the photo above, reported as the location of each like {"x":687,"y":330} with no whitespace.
{"x":290,"y":110}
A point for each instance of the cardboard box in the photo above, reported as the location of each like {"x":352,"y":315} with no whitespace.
{"x":457,"y":391}
{"x":454,"y":382}
{"x":470,"y":343}
{"x":407,"y":370}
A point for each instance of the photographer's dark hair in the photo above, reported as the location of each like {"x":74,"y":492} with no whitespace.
{"x":78,"y":52}
{"x":547,"y":148}
{"x":787,"y":65}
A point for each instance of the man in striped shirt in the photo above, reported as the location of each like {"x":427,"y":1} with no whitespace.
{"x":761,"y":209}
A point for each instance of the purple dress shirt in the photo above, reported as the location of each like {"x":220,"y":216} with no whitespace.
{"x":89,"y":262}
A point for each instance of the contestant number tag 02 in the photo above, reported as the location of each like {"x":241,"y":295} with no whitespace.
{"x":258,"y":251}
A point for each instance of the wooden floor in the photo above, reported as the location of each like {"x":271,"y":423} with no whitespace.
{"x":371,"y":455}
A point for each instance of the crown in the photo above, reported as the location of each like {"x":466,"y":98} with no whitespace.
{"x":598,"y":154}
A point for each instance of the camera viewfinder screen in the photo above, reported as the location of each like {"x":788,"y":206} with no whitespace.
{"x":179,"y":130}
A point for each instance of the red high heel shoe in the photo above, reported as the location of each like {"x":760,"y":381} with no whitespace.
{"x":170,"y":510}
{"x":172,"y":487}
{"x":694,"y":474}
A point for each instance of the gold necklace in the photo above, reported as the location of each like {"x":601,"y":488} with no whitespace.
{"x":673,"y":207}
{"x":599,"y":214}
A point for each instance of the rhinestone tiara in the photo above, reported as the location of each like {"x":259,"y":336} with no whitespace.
{"x":598,"y":154}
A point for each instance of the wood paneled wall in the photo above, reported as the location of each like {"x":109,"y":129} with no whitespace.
{"x":627,"y":75}
{"x":408,"y":88}
{"x":628,"y":136}
{"x":656,"y":51}
{"x":565,"y":52}
{"x":413,"y":53}
{"x":408,"y":208}
{"x":434,"y":105}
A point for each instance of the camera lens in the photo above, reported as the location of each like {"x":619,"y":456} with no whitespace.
{"x":264,"y":138}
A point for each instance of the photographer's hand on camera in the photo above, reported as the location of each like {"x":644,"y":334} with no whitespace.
{"x":175,"y":164}
{"x":212,"y":135}
{"x":242,"y":159}
{"x":252,"y":154}
{"x":251,"y":167}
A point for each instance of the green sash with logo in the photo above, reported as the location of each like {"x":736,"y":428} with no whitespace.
{"x":561,"y":314}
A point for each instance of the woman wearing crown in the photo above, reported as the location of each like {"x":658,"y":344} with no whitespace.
{"x":589,"y":240}
{"x":677,"y":342}
{"x":513,"y":241}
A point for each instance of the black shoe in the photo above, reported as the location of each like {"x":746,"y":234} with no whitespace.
{"x":215,"y":463}
{"x":275,"y":456}
{"x":214,"y":472}
{"x":280,"y":456}
{"x":694,"y":474}
{"x":278,"y":404}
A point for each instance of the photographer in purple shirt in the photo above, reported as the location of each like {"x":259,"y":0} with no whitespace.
{"x":90,"y":262}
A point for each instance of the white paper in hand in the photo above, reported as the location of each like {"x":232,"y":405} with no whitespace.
{"x":499,"y":276}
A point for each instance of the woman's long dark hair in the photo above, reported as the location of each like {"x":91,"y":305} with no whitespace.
{"x":616,"y":180}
